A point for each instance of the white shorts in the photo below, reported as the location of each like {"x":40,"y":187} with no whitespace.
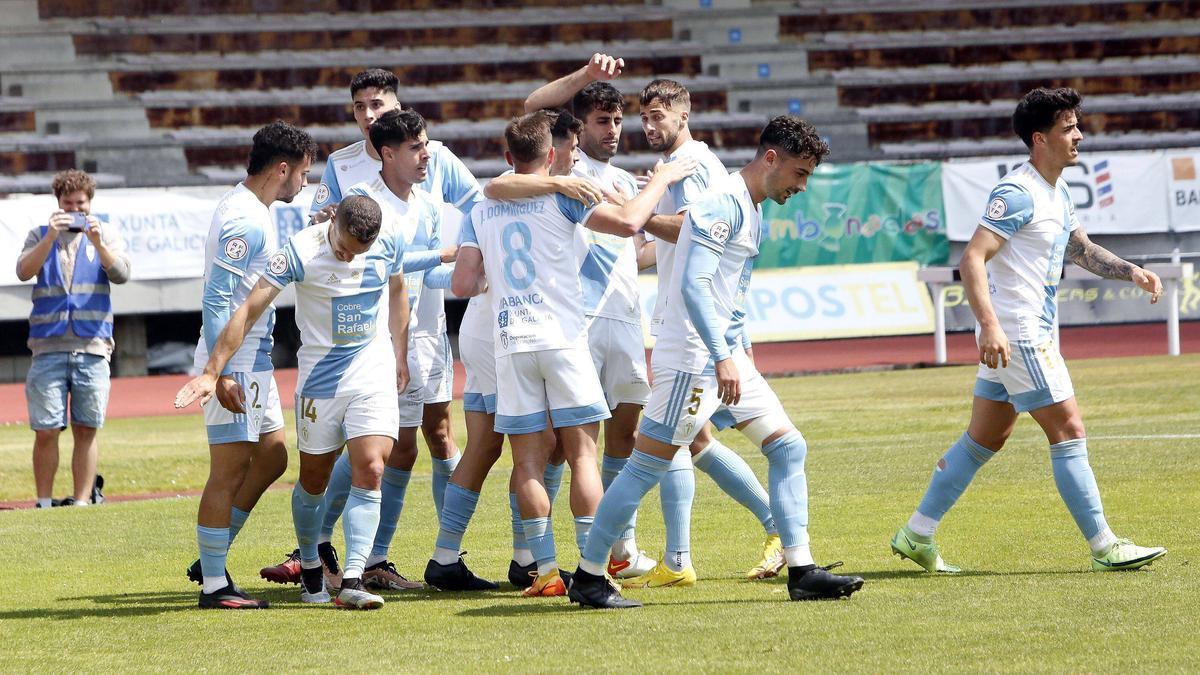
{"x":680,"y":403}
{"x":561,"y":382}
{"x":479,"y":360}
{"x":263,"y":412}
{"x":411,"y":401}
{"x":436,"y":363}
{"x":620,"y":358}
{"x":325,"y":424}
{"x":1036,"y":377}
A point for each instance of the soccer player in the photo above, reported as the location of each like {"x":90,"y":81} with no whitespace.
{"x":665,"y":109}
{"x":542,"y":360}
{"x":244,"y":421}
{"x":1010,"y":272}
{"x":353,"y":360}
{"x":400,"y":139}
{"x":700,"y":368}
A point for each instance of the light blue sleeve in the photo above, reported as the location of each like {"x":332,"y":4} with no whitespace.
{"x":466,"y":231}
{"x":329,"y":191}
{"x":1073,"y":222}
{"x":399,"y":254}
{"x":217,"y":305}
{"x":439,"y":277}
{"x":700,"y":269}
{"x":459,"y":187}
{"x":1009,"y":209}
{"x":690,"y":190}
{"x":714,"y":220}
{"x":284,"y":267}
{"x":573,"y":209}
{"x":241,"y":240}
{"x":417,"y":261}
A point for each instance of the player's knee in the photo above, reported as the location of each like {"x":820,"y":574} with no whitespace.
{"x":767,"y":429}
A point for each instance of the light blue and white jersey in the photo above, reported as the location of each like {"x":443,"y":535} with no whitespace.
{"x":710,"y":175}
{"x":449,"y":182}
{"x":529,"y":249}
{"x":341,"y":311}
{"x":477,"y":318}
{"x":240,"y":239}
{"x":726,"y":222}
{"x":419,"y":222}
{"x":1037,"y":220}
{"x":608,"y":266}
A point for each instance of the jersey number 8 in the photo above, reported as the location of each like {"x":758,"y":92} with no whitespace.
{"x":518,"y":253}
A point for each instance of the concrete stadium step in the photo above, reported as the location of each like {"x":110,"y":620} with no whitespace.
{"x":1010,"y":145}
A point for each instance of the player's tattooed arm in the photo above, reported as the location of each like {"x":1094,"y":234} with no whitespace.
{"x":1104,"y":263}
{"x":559,"y":92}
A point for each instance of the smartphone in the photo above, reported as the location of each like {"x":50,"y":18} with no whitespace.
{"x":78,"y":221}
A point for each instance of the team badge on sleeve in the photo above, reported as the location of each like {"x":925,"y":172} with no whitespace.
{"x":278,"y":263}
{"x":322,"y":194}
{"x":719,"y":231}
{"x":997,"y":208}
{"x":235,"y":248}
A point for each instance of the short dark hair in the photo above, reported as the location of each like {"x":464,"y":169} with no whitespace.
{"x":395,"y":127}
{"x":674,"y":96}
{"x":72,"y":181}
{"x":565,"y":125}
{"x":360,"y":217}
{"x":528,"y":136}
{"x":279,"y":142}
{"x":796,"y":137}
{"x":597,"y":96}
{"x":375,"y":78}
{"x":1038,"y":110}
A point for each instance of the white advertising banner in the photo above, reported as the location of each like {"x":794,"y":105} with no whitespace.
{"x":1183,"y":169}
{"x":1117,"y":193}
{"x":829,"y":301}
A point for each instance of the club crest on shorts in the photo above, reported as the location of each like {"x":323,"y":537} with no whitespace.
{"x":997,"y":208}
{"x":235,"y":249}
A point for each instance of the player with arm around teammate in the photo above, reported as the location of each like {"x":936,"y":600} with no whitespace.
{"x":352,"y":311}
{"x":701,"y":369}
{"x":1010,"y":271}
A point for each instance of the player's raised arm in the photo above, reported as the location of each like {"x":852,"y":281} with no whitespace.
{"x":627,"y":219}
{"x":231,"y":337}
{"x":1100,"y":261}
{"x":994,"y":349}
{"x":524,"y":185}
{"x":560,"y":91}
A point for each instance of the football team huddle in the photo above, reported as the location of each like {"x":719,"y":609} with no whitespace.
{"x":552,"y":345}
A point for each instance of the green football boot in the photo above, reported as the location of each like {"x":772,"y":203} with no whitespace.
{"x":1125,"y":555}
{"x":921,"y":550}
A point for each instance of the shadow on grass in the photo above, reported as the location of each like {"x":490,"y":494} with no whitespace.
{"x":529,"y":607}
{"x":918,"y":574}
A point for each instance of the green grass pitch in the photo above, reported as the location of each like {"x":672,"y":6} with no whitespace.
{"x":102,"y":589}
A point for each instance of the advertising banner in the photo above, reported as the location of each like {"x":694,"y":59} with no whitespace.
{"x":1184,"y":190}
{"x":859,"y":213}
{"x":831,"y":301}
{"x":1113,"y":193}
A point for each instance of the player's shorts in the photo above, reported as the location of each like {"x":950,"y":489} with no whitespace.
{"x":325,"y":424}
{"x":263,"y":412}
{"x":436,"y":363}
{"x":479,"y":360}
{"x":411,"y":401}
{"x":680,"y":403}
{"x":619,"y":355}
{"x":562,"y":382}
{"x":1036,"y":377}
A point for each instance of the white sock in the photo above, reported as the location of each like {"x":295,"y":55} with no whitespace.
{"x":83,"y":503}
{"x":624,"y":549}
{"x":1102,"y":540}
{"x":310,"y":565}
{"x":44,"y":502}
{"x":375,"y":560}
{"x":677,"y":561}
{"x":445,"y":556}
{"x":214,"y":584}
{"x":922,"y":524}
{"x":323,"y":539}
{"x":798,"y":556}
{"x":547,"y":567}
{"x":591,"y":568}
{"x":523,"y":556}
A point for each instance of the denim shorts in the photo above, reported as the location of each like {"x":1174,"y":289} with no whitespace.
{"x":52,"y":376}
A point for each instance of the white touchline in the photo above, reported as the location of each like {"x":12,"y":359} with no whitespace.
{"x":1141,"y":438}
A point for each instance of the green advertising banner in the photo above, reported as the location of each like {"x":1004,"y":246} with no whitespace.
{"x":859,"y":213}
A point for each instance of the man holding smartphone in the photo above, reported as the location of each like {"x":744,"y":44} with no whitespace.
{"x":75,"y":258}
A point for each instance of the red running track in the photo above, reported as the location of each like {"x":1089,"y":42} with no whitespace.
{"x":153,"y":395}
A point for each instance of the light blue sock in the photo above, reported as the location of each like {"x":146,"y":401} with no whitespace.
{"x":335,"y":495}
{"x":456,"y":515}
{"x":1077,"y":486}
{"x":583,"y":525}
{"x":789,"y":487}
{"x":442,"y":468}
{"x":621,"y":499}
{"x":214,"y":547}
{"x":237,"y":518}
{"x":677,"y":492}
{"x":951,"y":477}
{"x":735,"y":477}
{"x":540,"y":536}
{"x":552,"y":477}
{"x":306,"y":515}
{"x":394,"y":485}
{"x":518,"y":529}
{"x":609,"y":468}
{"x":359,"y":525}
